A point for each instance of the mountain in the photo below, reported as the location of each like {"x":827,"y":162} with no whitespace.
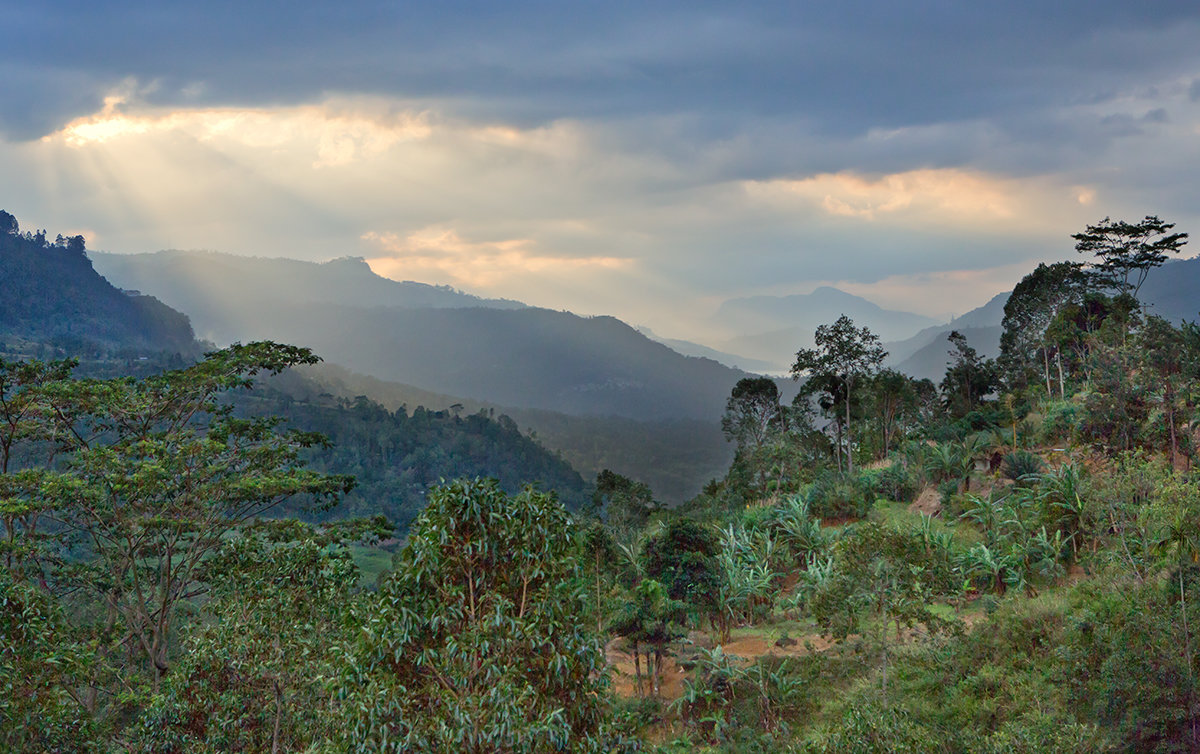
{"x":930,"y":361}
{"x":53,"y":296}
{"x":1173,"y":290}
{"x":519,"y":357}
{"x":926,"y":353}
{"x":224,"y":291}
{"x":773,"y":328}
{"x":688,"y":348}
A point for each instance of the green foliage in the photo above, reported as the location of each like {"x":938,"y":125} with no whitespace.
{"x":44,"y":670}
{"x":896,"y":482}
{"x":841,"y":495}
{"x":682,"y":557}
{"x":723,"y":699}
{"x":254,"y":676}
{"x":476,"y":642}
{"x":969,"y":378}
{"x":624,"y":504}
{"x":1021,"y":466}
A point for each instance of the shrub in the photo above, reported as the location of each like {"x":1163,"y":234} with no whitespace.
{"x":838,"y":495}
{"x":896,"y":483}
{"x":1021,"y":465}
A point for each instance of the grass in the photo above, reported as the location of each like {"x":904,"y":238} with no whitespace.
{"x":371,"y":562}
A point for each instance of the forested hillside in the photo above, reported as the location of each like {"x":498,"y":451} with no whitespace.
{"x":397,"y":455}
{"x":53,"y":295}
{"x":675,"y":457}
{"x":57,"y":306}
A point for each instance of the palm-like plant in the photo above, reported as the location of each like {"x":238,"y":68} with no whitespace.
{"x":798,"y":531}
{"x":987,"y":514}
{"x":1062,"y":496}
{"x":995,"y":569}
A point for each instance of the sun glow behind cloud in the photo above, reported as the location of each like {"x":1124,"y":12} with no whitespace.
{"x":563,"y":214}
{"x":441,"y":255}
{"x":335,"y":133}
{"x":934,"y":197}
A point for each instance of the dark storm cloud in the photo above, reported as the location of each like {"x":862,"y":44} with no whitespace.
{"x":836,"y":67}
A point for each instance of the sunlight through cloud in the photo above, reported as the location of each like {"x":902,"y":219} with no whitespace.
{"x":440,"y":254}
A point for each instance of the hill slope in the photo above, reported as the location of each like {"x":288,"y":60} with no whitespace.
{"x":52,"y":294}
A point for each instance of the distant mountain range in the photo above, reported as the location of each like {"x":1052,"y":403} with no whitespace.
{"x":773,"y":328}
{"x":222,"y":292}
{"x":55,"y":304}
{"x":688,"y":348}
{"x":433,"y":338}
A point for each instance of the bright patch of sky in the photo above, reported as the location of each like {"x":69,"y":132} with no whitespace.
{"x":647,"y":160}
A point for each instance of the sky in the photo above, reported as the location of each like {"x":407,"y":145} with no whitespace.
{"x":643,"y":159}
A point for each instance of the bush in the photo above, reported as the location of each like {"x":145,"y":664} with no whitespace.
{"x":1021,"y":465}
{"x":839,"y":495}
{"x":896,"y":483}
{"x":1060,"y":422}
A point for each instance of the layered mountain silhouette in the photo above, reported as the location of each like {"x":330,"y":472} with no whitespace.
{"x":433,"y":338}
{"x":773,"y":328}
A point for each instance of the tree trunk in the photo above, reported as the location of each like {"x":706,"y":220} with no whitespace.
{"x":656,"y":668}
{"x":849,"y":444}
{"x":637,"y":668}
{"x":1062,"y":390}
{"x":1046,"y":371}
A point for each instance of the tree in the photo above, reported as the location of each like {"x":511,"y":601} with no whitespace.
{"x":160,"y":472}
{"x":1033,"y":305}
{"x":894,"y":399}
{"x":476,"y":642}
{"x":682,"y":557}
{"x":150,"y":478}
{"x":844,"y":354}
{"x":968,"y":378}
{"x":625,"y":505}
{"x":1169,"y":357}
{"x":752,"y":412}
{"x":1126,"y":252}
{"x":253,"y":675}
{"x":8,"y":224}
{"x":649,"y":618}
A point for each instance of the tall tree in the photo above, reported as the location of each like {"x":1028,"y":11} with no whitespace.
{"x":1033,"y":305}
{"x":968,"y":378}
{"x":845,"y":354}
{"x":752,"y":412}
{"x":1126,"y":252}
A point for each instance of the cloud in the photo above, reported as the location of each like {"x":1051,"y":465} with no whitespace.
{"x":645,"y":160}
{"x":441,"y":255}
{"x":930,"y":198}
{"x":336,"y":133}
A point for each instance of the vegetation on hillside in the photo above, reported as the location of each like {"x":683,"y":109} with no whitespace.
{"x":1006,"y":561}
